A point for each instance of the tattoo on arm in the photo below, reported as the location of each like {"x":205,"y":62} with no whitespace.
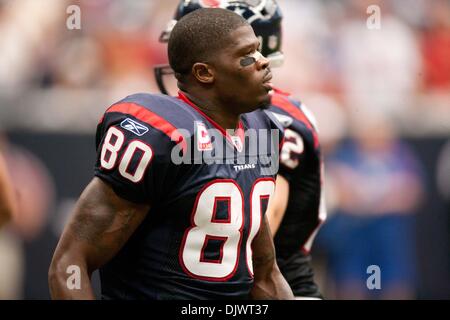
{"x":106,"y":227}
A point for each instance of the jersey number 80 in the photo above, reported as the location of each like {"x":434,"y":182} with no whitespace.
{"x":205,"y":227}
{"x":113,"y":143}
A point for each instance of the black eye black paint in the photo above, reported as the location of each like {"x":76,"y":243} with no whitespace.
{"x":245,"y":62}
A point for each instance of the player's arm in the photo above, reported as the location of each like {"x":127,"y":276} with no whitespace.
{"x":277,"y":204}
{"x":269,"y":283}
{"x":99,"y":227}
{"x":7,"y":196}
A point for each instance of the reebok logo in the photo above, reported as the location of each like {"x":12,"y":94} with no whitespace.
{"x":133,"y":126}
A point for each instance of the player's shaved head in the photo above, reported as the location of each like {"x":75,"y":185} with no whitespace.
{"x":199,"y":35}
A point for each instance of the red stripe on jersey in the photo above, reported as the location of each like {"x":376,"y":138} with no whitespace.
{"x":150,"y":118}
{"x":279,"y":91}
{"x":283,"y":102}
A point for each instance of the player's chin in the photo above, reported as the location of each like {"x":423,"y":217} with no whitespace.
{"x":261,"y":103}
{"x":264,"y":101}
{"x":261,"y":100}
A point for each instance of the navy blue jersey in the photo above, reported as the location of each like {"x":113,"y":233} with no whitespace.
{"x":195,"y":242}
{"x":301,"y":165}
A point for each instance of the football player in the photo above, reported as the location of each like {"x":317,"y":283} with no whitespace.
{"x":158,"y":223}
{"x":297,"y":208}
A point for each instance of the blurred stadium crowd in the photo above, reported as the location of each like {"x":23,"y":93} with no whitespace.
{"x":381,"y":98}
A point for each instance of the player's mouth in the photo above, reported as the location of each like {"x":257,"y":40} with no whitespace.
{"x":266,"y":81}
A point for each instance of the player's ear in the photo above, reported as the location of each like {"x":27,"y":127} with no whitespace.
{"x":203,"y":72}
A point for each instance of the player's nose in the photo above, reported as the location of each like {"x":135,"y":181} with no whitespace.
{"x":262,"y":63}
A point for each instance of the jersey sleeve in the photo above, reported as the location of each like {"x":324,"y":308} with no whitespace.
{"x":300,"y":133}
{"x":134,"y":153}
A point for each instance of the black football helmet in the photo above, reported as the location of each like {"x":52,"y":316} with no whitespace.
{"x":263,"y":15}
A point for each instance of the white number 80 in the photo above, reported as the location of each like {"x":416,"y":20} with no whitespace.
{"x":108,"y":158}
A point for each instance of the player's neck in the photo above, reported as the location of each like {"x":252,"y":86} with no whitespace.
{"x":214,"y":110}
